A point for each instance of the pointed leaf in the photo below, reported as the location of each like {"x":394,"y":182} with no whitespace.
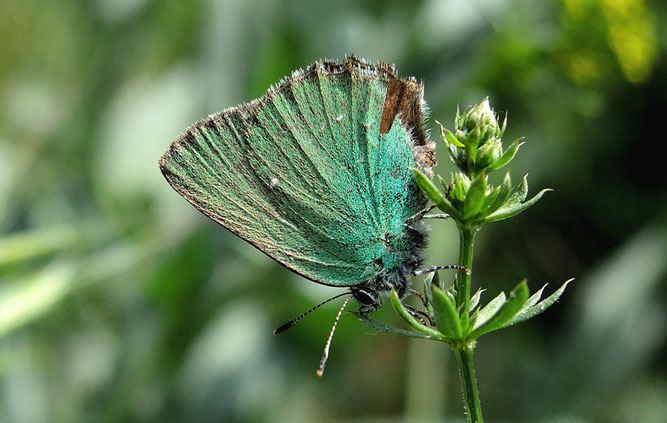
{"x":435,"y":279}
{"x":434,"y":195}
{"x":534,"y":298}
{"x":447,"y":207}
{"x":472,"y":321}
{"x":504,"y":125}
{"x":444,"y":185}
{"x":507,"y":156}
{"x":519,"y":192}
{"x":503,"y":193}
{"x":447,"y":137}
{"x":427,"y":286}
{"x":432,"y":279}
{"x":391,"y":330}
{"x":472,"y":141}
{"x":533,"y":311}
{"x":486,"y":312}
{"x":412,"y":321}
{"x":446,"y":318}
{"x":452,"y":139}
{"x":513,"y":210}
{"x":474,"y":300}
{"x":516,"y":300}
{"x":427,"y":186}
{"x":459,"y":189}
{"x":490,"y":197}
{"x":474,"y":197}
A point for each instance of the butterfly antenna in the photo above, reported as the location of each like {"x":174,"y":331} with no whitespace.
{"x":325,"y":354}
{"x":292,"y":322}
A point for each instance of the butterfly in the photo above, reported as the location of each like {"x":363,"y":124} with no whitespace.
{"x":317,"y":174}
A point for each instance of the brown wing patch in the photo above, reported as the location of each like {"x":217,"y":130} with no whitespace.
{"x":404,"y":99}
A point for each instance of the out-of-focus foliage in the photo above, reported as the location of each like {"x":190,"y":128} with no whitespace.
{"x":119,"y":302}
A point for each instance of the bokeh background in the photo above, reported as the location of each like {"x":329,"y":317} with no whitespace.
{"x":120,"y":302}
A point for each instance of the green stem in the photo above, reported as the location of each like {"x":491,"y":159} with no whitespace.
{"x":464,"y":352}
{"x":469,"y":384}
{"x":467,"y":237}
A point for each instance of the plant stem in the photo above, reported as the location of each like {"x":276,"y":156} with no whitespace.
{"x":469,"y":384}
{"x":467,"y":240}
{"x":464,"y":352}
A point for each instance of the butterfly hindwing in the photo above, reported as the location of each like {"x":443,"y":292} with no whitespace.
{"x":306,"y":173}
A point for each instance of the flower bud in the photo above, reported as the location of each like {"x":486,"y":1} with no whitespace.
{"x":459,"y":190}
{"x":475,"y":146}
{"x":489,"y":153}
{"x":479,"y":122}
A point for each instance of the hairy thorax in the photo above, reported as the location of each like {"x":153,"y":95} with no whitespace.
{"x":401,"y":256}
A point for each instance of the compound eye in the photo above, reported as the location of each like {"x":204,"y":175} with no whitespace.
{"x":364,"y":297}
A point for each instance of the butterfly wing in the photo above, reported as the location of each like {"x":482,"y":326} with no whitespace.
{"x":314,"y":173}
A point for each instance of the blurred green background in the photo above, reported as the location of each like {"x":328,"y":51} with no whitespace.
{"x":120,"y":302}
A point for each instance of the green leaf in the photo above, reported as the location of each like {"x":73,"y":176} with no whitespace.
{"x":452,"y":139}
{"x":472,"y":142}
{"x":530,"y":312}
{"x":398,"y":306}
{"x":448,"y":138}
{"x":427,"y":288}
{"x":520,"y":192}
{"x":474,"y":300}
{"x":472,"y":320}
{"x":486,"y":312}
{"x":490,"y":198}
{"x":446,"y":318}
{"x":444,"y":185}
{"x":460,"y":186}
{"x":533,"y":298}
{"x":435,"y":195}
{"x":509,"y":309}
{"x":427,"y":186}
{"x":474,"y":197}
{"x":435,"y":279}
{"x":391,"y":330}
{"x":501,"y":197}
{"x":504,"y":125}
{"x":429,"y":281}
{"x":507,"y":156}
{"x":513,"y":210}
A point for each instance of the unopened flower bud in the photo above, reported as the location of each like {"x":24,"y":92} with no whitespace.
{"x":479,"y":122}
{"x":488,"y":153}
{"x":459,"y":189}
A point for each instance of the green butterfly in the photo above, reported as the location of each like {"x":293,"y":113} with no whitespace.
{"x":317,"y":174}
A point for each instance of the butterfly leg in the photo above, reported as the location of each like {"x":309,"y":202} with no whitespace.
{"x":419,"y":294}
{"x":422,"y":215}
{"x":435,"y":268}
{"x":419,"y":215}
{"x":421,"y":315}
{"x":437,"y":216}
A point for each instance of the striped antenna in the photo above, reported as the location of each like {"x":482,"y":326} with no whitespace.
{"x":325,"y":354}
{"x":292,"y":322}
